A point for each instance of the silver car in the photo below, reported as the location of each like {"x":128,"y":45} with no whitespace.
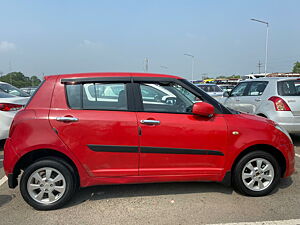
{"x":212,"y":89}
{"x":277,"y":98}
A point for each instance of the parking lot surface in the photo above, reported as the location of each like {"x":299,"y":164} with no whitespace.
{"x":167,"y":203}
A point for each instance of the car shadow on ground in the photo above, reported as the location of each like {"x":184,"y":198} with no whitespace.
{"x":155,"y":189}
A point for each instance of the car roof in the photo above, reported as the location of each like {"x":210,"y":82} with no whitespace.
{"x":114,"y":74}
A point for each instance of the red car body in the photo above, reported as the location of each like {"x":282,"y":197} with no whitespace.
{"x":114,"y":147}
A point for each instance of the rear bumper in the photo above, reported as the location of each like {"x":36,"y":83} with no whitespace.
{"x":287,"y":120}
{"x":6,"y":120}
{"x":10,"y":157}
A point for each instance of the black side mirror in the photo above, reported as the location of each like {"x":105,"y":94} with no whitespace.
{"x":226,"y":94}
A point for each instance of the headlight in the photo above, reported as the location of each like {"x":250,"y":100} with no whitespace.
{"x":284,"y":131}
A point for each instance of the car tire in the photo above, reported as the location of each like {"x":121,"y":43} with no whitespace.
{"x":256,"y":174}
{"x":47,"y":184}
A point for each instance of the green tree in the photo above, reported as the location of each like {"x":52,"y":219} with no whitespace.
{"x":19,"y":80}
{"x":296,"y":68}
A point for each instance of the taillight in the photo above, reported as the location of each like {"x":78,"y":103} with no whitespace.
{"x":10,"y":107}
{"x":280,"y":104}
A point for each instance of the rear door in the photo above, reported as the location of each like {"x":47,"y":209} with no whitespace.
{"x":289,"y":90}
{"x":97,"y":124}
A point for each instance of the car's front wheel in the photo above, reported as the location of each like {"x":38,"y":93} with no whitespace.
{"x":256,"y":174}
{"x":47,"y":184}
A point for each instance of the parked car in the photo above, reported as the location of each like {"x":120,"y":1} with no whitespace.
{"x":275,"y":98}
{"x":29,"y":90}
{"x":9,"y":106}
{"x":63,"y":140}
{"x":10,"y":89}
{"x":212,"y":89}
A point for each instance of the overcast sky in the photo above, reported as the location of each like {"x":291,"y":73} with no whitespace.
{"x":67,"y":36}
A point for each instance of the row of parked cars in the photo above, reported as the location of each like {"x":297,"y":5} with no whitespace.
{"x":276,"y":98}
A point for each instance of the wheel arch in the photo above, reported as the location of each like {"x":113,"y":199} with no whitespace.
{"x":35,"y":155}
{"x":266,"y":148}
{"x":262,"y":115}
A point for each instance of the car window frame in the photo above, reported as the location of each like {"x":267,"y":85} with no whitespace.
{"x":128,"y":89}
{"x":140,"y":108}
{"x":134,"y":98}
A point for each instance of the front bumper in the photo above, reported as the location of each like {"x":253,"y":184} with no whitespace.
{"x":290,"y":159}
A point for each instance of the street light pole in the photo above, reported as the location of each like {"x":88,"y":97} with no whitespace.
{"x":193,"y":63}
{"x":267,"y":38}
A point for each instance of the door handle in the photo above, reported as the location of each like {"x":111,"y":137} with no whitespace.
{"x":150,"y":122}
{"x":258,"y":99}
{"x":67,"y":119}
{"x":237,"y":100}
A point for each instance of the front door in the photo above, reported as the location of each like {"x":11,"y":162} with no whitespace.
{"x":173,"y":141}
{"x":97,"y":127}
{"x":235,"y":99}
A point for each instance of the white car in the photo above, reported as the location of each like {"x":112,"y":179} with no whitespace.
{"x":10,"y":89}
{"x":212,"y":89}
{"x":9,"y":106}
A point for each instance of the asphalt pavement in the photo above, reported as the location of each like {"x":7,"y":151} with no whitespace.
{"x":167,"y":203}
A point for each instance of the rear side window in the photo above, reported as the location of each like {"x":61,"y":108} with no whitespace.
{"x":98,"y":96}
{"x":289,"y":88}
{"x":257,"y":88}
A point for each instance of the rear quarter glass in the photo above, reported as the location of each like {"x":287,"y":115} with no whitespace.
{"x":289,"y":87}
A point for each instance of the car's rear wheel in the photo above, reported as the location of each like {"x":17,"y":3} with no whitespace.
{"x":256,"y":174}
{"x":47,"y":184}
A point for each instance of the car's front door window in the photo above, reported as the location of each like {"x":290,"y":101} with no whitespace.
{"x":239,"y":90}
{"x":170,"y":98}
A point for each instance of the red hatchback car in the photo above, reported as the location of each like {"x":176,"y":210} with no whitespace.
{"x":80,"y":130}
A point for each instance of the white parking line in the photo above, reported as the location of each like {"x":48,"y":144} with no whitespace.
{"x":3,"y":180}
{"x":278,"y":222}
{"x":297,"y":155}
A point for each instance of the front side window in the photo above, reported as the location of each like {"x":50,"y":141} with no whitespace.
{"x":239,"y":90}
{"x":257,"y":88}
{"x":98,"y":96}
{"x":289,"y":88}
{"x":169,"y":98}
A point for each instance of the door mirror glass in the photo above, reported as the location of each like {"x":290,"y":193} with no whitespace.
{"x":226,"y":94}
{"x":203,"y":109}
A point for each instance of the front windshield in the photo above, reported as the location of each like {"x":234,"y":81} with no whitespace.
{"x":13,"y":90}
